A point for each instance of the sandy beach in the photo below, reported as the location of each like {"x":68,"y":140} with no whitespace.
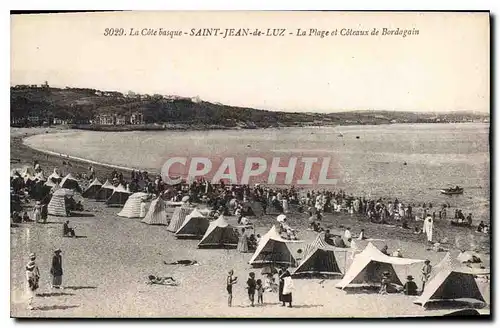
{"x":105,"y":269}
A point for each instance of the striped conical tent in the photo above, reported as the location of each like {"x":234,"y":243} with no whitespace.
{"x":57,"y":204}
{"x":178,"y":217}
{"x":119,"y":196}
{"x":195,"y":225}
{"x":132,"y":208}
{"x":157,"y":213}
{"x":321,"y":258}
{"x":105,"y":191}
{"x":220,"y":234}
{"x":69,"y":182}
{"x":92,"y":189}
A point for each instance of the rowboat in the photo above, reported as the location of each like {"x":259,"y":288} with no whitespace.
{"x":452,"y":191}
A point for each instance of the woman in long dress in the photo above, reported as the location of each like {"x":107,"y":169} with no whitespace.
{"x":243,"y":242}
{"x":287,"y":288}
{"x":32,"y":279}
{"x":37,"y":212}
{"x":280,"y":286}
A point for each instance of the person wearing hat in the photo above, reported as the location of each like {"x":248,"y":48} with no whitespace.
{"x":32,"y":279}
{"x":426,"y":273}
{"x":56,"y":269}
{"x":410,"y":287}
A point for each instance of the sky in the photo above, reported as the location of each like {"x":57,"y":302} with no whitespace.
{"x":446,"y":67}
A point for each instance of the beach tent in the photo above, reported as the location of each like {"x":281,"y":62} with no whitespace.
{"x":132,"y":207}
{"x":105,"y":191}
{"x":367,"y":267}
{"x":273,"y":249}
{"x":156,"y":213}
{"x":57,"y":204}
{"x":219,"y":234}
{"x":14,"y":173}
{"x":92,"y":189}
{"x":119,"y":196}
{"x":28,"y":171}
{"x":55,"y":177}
{"x":178,"y":217}
{"x":451,"y":285}
{"x":321,"y":258}
{"x":40,"y":176}
{"x":50,"y":183}
{"x":195,"y":225}
{"x":69,"y":182}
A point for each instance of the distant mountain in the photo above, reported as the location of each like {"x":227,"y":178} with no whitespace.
{"x":81,"y":105}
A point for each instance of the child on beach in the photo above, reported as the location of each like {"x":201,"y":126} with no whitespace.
{"x":251,"y":286}
{"x":230,"y":281}
{"x":260,"y":292}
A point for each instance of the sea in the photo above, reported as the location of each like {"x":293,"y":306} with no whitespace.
{"x":411,"y":162}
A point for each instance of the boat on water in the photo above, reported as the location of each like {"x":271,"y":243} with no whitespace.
{"x":453,"y":191}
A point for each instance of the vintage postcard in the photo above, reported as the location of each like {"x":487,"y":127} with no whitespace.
{"x":250,"y":164}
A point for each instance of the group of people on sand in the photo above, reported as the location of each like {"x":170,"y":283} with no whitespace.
{"x":409,"y":287}
{"x":33,"y":275}
{"x":254,"y":286}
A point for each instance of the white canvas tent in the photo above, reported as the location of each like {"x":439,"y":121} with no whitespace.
{"x":105,"y":191}
{"x":132,"y":208}
{"x":321,"y":258}
{"x":219,"y":234}
{"x":119,"y":196}
{"x":50,"y":183}
{"x":368,"y":266}
{"x":195,"y":225}
{"x":92,"y":189}
{"x":40,"y":176}
{"x":69,"y":182}
{"x":178,"y":217}
{"x":57,"y":204}
{"x":451,"y":285}
{"x":55,"y":176}
{"x":157,"y":213}
{"x":273,"y":249}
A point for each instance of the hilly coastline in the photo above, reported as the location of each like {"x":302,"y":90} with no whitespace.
{"x":35,"y":105}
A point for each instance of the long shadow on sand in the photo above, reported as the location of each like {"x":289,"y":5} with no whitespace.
{"x":54,"y":294}
{"x":455,"y":304}
{"x":82,"y":215}
{"x":80,"y":287}
{"x":54,"y":307}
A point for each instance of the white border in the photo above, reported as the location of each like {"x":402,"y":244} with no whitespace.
{"x":492,"y":5}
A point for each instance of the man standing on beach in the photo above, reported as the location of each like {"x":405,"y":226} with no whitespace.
{"x":426,"y":273}
{"x":56,"y":269}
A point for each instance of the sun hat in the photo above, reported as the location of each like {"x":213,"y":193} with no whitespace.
{"x":57,"y":250}
{"x":410,"y":277}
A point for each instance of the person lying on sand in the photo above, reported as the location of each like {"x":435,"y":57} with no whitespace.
{"x":153,"y":280}
{"x":182,"y":262}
